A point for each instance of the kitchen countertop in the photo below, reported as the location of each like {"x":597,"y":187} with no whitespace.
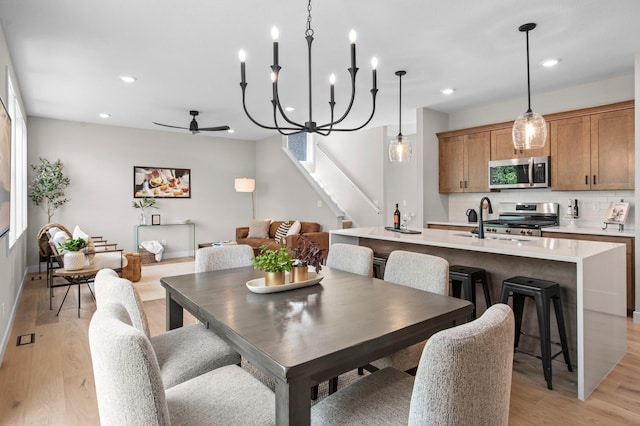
{"x":557,"y":249}
{"x":612,"y":231}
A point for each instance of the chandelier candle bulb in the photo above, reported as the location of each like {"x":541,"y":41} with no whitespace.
{"x":332,"y":83}
{"x":374,"y":66}
{"x":352,"y":38}
{"x":243,"y":56}
{"x":274,"y":36}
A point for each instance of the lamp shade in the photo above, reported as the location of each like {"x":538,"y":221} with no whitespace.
{"x":399,"y":149}
{"x":529,"y":131}
{"x":244,"y":184}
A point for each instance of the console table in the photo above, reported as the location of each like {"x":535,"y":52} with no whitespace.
{"x":190,"y":227}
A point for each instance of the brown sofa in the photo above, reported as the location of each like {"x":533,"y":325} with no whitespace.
{"x":310,"y":229}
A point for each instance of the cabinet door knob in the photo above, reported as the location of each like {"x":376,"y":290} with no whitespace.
{"x":586,"y":180}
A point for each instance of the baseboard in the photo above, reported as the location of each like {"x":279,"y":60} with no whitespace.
{"x":12,"y":317}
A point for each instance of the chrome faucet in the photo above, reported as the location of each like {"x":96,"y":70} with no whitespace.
{"x":489,"y":210}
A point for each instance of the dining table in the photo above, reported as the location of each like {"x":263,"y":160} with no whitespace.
{"x":303,"y":336}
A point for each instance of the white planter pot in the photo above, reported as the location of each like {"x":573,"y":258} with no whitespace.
{"x":73,"y":260}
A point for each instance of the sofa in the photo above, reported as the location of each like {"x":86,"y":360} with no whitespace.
{"x":310,"y":229}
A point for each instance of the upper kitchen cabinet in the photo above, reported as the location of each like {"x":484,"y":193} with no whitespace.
{"x":593,"y":152}
{"x":463,"y":162}
{"x":502,"y":146}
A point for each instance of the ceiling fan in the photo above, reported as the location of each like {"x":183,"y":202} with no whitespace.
{"x":193,"y":126}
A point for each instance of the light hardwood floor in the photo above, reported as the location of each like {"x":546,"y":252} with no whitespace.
{"x":50,"y":382}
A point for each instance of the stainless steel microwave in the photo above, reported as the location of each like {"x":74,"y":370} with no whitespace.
{"x":531,"y":172}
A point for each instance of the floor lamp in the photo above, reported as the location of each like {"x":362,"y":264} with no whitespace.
{"x":247,"y":185}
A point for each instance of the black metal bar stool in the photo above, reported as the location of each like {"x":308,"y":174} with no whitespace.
{"x":466,"y":277}
{"x":542,"y":292}
{"x":379,"y":262}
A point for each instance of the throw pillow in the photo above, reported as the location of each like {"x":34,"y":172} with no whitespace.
{"x":295,"y":228}
{"x":58,"y":238}
{"x":259,"y":229}
{"x":281,"y":232}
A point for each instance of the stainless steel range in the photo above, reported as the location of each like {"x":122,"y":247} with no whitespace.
{"x":523,"y":218}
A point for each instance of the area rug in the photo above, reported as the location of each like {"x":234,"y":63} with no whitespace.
{"x":149,"y":287}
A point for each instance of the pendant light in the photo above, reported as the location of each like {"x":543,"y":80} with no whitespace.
{"x":400,"y":147}
{"x":530,"y":129}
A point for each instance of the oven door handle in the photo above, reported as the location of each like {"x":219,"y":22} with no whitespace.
{"x":531,"y":171}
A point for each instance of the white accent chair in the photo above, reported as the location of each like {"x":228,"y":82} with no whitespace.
{"x":420,"y":271}
{"x":183,"y":353}
{"x":464,"y":378}
{"x":223,"y":257}
{"x":130,"y":391}
{"x":351,"y":258}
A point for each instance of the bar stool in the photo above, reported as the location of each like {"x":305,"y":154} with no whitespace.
{"x":542,"y":292}
{"x":466,"y":277}
{"x":379,"y":263}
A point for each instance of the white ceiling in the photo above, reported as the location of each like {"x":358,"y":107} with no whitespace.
{"x":68,"y":55}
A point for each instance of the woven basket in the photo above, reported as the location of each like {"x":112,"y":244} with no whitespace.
{"x":146,"y":257}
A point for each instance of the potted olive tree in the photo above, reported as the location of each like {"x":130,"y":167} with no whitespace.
{"x":48,"y":186}
{"x":307,"y":253}
{"x":73,"y":256}
{"x":274,"y":263}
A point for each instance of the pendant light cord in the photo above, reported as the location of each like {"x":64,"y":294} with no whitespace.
{"x":400,"y":109}
{"x":528,"y":76}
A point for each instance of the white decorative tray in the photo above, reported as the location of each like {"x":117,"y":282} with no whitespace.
{"x":257,"y":285}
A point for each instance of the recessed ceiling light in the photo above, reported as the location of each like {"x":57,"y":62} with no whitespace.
{"x":550,"y":63}
{"x":447,"y":91}
{"x":104,"y":115}
{"x":231,"y":131}
{"x":289,"y":109}
{"x":128,"y":78}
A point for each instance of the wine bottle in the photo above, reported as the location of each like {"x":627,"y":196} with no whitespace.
{"x":575,"y":208}
{"x":396,"y":218}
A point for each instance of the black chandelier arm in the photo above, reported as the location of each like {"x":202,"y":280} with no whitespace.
{"x":374,"y":92}
{"x":279,"y":106}
{"x":254,"y":121}
{"x":352,"y":72}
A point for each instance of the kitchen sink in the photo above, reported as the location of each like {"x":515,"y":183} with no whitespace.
{"x":492,"y":237}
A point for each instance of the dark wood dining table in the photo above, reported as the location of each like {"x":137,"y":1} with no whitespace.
{"x":304,"y":336}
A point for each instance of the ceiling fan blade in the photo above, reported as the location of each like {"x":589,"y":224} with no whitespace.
{"x":214,"y":129}
{"x":167,"y":125}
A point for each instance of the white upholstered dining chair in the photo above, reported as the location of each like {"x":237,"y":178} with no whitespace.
{"x":130,"y":390}
{"x":463,"y":378}
{"x":182,"y":353}
{"x":420,"y":271}
{"x":351,"y":258}
{"x":223,"y":257}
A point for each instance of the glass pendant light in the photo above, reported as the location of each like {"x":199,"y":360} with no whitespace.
{"x":530,"y":129}
{"x":400,"y":147}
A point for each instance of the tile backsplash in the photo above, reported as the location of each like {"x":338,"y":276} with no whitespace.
{"x":593,"y":205}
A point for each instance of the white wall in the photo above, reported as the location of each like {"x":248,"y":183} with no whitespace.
{"x":12,"y":262}
{"x":99,"y":160}
{"x":435,"y":205}
{"x":281,"y":191}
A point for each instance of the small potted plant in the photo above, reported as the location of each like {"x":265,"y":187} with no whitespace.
{"x":307,"y":253}
{"x":73,"y":257}
{"x":274,"y":263}
{"x":144,"y":204}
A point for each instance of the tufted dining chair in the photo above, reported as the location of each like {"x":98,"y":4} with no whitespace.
{"x":130,"y":389}
{"x":223,"y":257}
{"x":182,"y":353}
{"x":463,"y":378}
{"x":420,"y":271}
{"x":351,"y":258}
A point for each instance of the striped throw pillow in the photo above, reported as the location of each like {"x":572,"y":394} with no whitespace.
{"x":281,"y":232}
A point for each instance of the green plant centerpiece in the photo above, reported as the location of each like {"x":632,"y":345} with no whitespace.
{"x":145,"y":203}
{"x":307,"y":253}
{"x":73,"y":258}
{"x":274,"y":263}
{"x":48,"y":186}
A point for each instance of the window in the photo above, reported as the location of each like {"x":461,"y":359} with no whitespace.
{"x":301,"y":146}
{"x":18,"y":165}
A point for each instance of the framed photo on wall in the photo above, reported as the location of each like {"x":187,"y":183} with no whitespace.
{"x":161,"y":182}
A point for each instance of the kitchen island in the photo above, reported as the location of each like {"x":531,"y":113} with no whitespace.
{"x":591,"y":275}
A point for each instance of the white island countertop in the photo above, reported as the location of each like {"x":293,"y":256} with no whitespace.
{"x":611,"y":231}
{"x":557,"y":249}
{"x":592,"y":276}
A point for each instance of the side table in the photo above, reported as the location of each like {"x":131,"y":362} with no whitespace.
{"x":79,"y":277}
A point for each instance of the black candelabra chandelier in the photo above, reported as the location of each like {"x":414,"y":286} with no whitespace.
{"x":290,"y":126}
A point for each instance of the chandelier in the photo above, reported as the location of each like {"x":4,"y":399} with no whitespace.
{"x":287,"y":126}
